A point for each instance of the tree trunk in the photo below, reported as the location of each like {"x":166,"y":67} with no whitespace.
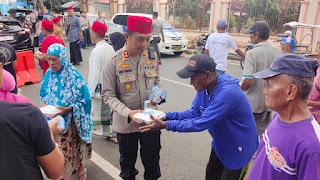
{"x":174,"y":15}
{"x":200,"y":14}
{"x":41,"y":5}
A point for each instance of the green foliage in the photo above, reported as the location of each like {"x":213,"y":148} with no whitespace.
{"x":232,"y":21}
{"x":56,"y":5}
{"x":246,"y":26}
{"x":190,"y":7}
{"x":139,"y":6}
{"x":269,"y":9}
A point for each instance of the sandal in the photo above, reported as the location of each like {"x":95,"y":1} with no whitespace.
{"x":111,"y":139}
{"x":84,"y":174}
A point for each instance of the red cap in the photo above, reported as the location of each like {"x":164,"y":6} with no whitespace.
{"x":99,"y":28}
{"x":57,"y":19}
{"x":45,"y":24}
{"x":70,"y":8}
{"x":139,"y":24}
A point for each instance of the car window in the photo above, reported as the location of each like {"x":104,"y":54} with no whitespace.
{"x":10,"y":26}
{"x":166,"y":25}
{"x":121,"y":20}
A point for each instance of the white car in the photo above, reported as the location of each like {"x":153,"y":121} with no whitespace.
{"x":175,"y":41}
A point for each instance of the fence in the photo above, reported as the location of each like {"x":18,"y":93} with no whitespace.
{"x":276,"y":12}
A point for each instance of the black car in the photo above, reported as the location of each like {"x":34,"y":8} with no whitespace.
{"x":13,"y":33}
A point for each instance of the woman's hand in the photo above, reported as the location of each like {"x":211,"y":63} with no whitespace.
{"x":64,"y":110}
{"x":43,"y":104}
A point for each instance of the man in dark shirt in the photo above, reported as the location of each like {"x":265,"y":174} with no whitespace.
{"x":26,"y":142}
{"x":10,"y":62}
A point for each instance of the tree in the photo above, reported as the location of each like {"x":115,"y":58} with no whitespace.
{"x":269,"y":9}
{"x":202,"y":4}
{"x":41,"y":5}
{"x":139,"y":6}
{"x":55,"y":5}
{"x":174,"y":4}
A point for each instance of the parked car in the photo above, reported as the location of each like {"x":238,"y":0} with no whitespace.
{"x":175,"y":41}
{"x":13,"y":33}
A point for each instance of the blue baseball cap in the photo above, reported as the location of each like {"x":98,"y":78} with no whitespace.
{"x":222,"y":23}
{"x":290,"y":64}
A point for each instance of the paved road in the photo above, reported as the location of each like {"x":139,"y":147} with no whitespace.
{"x":183,"y":155}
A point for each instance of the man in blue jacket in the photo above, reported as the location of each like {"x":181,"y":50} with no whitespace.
{"x":222,"y":108}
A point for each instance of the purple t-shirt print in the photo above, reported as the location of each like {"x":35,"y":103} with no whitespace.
{"x":288,"y":151}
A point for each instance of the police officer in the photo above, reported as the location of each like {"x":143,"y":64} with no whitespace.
{"x":128,"y":76}
{"x":157,"y":30}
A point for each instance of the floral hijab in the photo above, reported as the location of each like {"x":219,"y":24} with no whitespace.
{"x":65,"y":88}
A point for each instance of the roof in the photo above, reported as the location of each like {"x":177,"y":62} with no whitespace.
{"x":297,"y":24}
{"x":74,"y":4}
{"x":7,"y":18}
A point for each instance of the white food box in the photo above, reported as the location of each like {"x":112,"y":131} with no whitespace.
{"x":49,"y":111}
{"x":146,"y":117}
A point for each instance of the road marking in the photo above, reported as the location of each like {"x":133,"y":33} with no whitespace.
{"x":105,"y":166}
{"x":176,"y":82}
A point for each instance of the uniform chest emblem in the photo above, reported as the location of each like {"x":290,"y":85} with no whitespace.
{"x":127,"y":78}
{"x":126,"y":54}
{"x":148,"y":62}
{"x":123,"y":66}
{"x":127,"y":86}
{"x":144,"y":54}
{"x":154,"y":73}
{"x":121,"y":59}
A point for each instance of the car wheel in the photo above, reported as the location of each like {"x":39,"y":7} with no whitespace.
{"x":178,"y":53}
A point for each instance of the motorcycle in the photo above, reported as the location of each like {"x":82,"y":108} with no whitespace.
{"x":201,"y":43}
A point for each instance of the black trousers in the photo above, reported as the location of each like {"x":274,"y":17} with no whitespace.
{"x":75,"y":53}
{"x":87,"y":39}
{"x":149,"y":151}
{"x":216,"y":170}
{"x":155,"y":41}
{"x":34,"y":27}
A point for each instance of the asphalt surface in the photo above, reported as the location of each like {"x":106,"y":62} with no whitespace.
{"x":183,"y":155}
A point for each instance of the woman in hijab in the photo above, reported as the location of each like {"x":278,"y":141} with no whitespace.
{"x":64,"y":87}
{"x":118,"y":40}
{"x":314,"y":97}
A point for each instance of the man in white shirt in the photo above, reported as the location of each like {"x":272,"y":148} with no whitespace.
{"x":100,"y":112}
{"x":218,"y":45}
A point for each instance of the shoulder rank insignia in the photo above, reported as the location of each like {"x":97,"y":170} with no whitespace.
{"x":126,"y":54}
{"x":123,"y":66}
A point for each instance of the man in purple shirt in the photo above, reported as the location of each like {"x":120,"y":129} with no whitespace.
{"x":290,"y":146}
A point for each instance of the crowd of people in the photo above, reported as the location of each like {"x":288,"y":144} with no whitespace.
{"x":121,"y":75}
